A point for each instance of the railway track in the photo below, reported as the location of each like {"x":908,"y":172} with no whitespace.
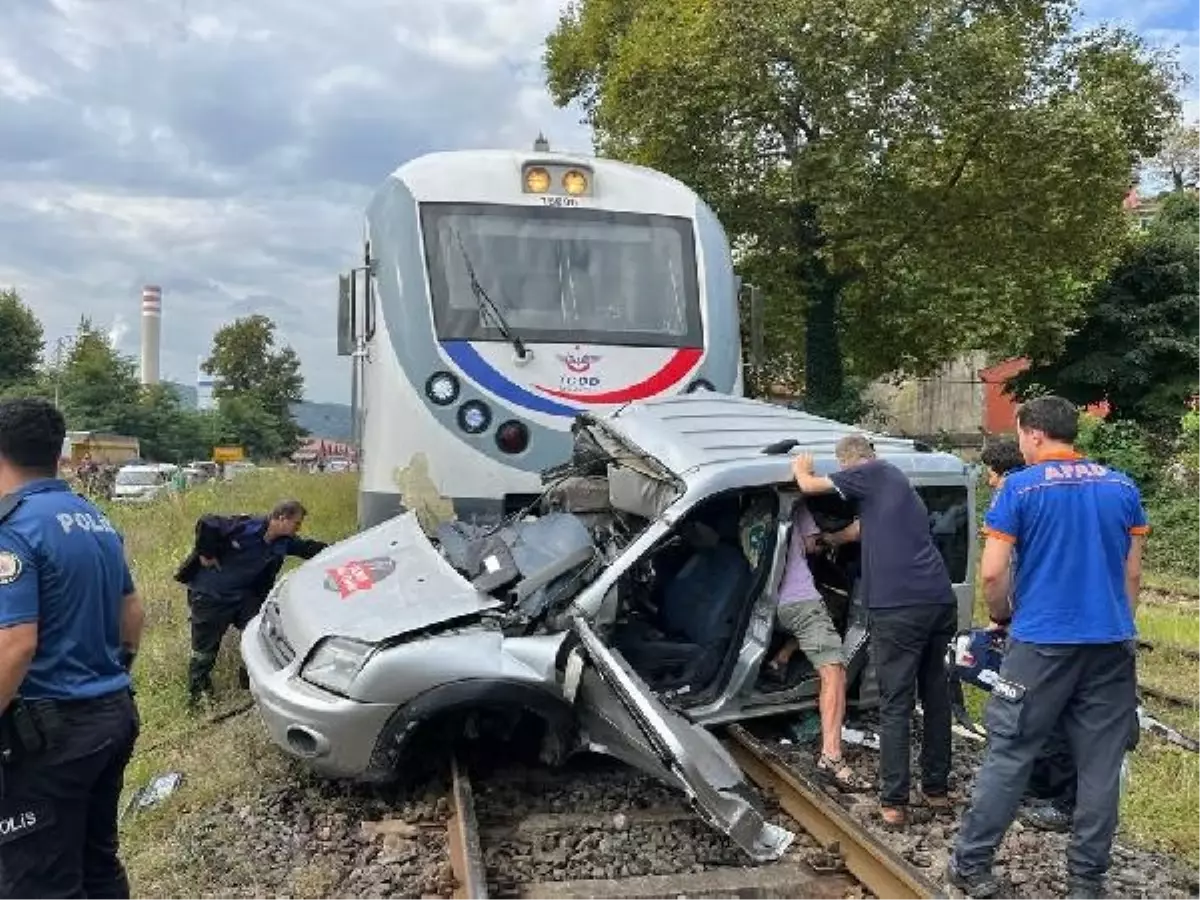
{"x":876,"y":866}
{"x":837,"y":857}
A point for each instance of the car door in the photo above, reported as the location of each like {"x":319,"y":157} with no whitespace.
{"x":619,"y":715}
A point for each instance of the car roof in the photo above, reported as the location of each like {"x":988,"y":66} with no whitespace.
{"x":715,"y":441}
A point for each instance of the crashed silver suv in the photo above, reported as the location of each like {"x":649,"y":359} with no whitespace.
{"x":632,"y":607}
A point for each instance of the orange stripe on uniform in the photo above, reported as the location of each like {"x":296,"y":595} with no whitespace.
{"x":1140,"y":529}
{"x":999,"y":535}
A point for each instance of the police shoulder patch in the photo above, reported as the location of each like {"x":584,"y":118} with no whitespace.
{"x":10,"y":567}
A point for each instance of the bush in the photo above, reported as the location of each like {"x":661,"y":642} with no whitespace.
{"x":1175,"y":534}
{"x":1122,"y":445}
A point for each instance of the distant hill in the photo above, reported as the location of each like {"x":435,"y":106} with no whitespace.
{"x":327,"y":420}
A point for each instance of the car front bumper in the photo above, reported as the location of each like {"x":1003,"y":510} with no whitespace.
{"x":335,"y":736}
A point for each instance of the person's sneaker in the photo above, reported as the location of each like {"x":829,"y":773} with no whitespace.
{"x":1046,"y":817}
{"x":979,"y":885}
{"x":1085,"y":889}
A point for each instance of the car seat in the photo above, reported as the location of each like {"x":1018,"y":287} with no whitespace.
{"x":698,"y":615}
{"x":700,"y":602}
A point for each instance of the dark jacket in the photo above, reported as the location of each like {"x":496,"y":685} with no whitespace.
{"x":214,"y":535}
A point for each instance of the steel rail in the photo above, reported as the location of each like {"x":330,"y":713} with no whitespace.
{"x":462,"y":832}
{"x":868,"y":859}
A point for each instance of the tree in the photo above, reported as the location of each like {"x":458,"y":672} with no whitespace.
{"x":1179,"y":157}
{"x":925,"y":177}
{"x":1137,"y":345}
{"x":20,"y":342}
{"x":264,"y":382}
{"x":98,"y":387}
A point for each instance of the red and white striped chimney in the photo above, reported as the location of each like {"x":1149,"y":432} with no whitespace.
{"x":151,"y":332}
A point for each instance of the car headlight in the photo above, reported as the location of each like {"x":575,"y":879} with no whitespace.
{"x":336,"y":663}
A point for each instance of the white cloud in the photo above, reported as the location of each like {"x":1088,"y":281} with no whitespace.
{"x":226,"y":151}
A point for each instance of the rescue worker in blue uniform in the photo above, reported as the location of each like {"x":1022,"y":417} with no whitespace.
{"x":229,"y":572}
{"x":70,"y":624}
{"x":1052,"y":781}
{"x":1078,"y":528}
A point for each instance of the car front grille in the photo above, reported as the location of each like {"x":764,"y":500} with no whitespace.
{"x":270,"y":632}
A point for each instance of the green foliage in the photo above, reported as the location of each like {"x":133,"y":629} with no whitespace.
{"x":908,"y":179}
{"x":255,"y":386}
{"x":1122,"y":445}
{"x":1137,"y":345}
{"x":1175,"y":533}
{"x":20,"y":343}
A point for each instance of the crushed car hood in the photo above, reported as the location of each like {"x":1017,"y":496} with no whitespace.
{"x":380,"y":584}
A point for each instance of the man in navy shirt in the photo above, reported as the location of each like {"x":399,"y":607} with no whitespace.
{"x":1078,"y":529}
{"x":229,"y":573}
{"x":70,"y":624}
{"x":913,"y":615}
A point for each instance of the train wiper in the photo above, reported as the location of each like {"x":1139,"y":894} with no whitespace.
{"x":487,"y":306}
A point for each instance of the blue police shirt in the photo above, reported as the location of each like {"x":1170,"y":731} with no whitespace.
{"x":62,"y":565}
{"x":1071,"y":521}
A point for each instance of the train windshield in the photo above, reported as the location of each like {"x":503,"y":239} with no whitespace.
{"x":563,"y":275}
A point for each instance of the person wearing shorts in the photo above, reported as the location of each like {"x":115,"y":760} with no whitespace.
{"x":803,"y":615}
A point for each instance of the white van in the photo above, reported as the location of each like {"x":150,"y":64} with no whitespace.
{"x":142,"y":483}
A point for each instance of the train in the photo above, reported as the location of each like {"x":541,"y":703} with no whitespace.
{"x":501,"y":294}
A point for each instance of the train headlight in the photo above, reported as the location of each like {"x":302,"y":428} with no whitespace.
{"x":512,"y":437}
{"x":700,"y":384}
{"x":575,"y":182}
{"x":442,"y":388}
{"x":537,"y":180}
{"x":474,"y":417}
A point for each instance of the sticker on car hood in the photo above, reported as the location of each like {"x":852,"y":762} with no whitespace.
{"x":358,"y":575}
{"x":382,"y":583}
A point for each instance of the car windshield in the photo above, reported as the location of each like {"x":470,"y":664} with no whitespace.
{"x":564,"y":275}
{"x":136,"y":479}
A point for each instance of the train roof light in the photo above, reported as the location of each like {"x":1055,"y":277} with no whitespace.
{"x":537,"y":180}
{"x":574,"y":182}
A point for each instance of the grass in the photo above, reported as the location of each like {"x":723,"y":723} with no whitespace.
{"x":224,"y":762}
{"x":218,"y":761}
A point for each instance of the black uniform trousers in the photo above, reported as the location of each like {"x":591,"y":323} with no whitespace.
{"x":58,"y":809}
{"x":210,"y":618}
{"x":1090,"y":692}
{"x":908,"y":647}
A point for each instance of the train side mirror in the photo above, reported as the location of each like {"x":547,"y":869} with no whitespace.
{"x":345,"y":317}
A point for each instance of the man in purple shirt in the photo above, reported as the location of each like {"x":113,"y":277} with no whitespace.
{"x":913,"y":615}
{"x":802,"y":614}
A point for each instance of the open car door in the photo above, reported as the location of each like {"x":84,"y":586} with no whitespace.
{"x":620,"y":716}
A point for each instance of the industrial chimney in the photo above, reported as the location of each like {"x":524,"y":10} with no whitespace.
{"x":151,"y":332}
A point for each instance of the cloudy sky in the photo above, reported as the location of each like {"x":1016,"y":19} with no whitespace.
{"x":226,"y":150}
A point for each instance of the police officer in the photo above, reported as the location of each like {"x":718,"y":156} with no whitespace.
{"x":1079,"y":528}
{"x":70,"y":623}
{"x":229,"y":572}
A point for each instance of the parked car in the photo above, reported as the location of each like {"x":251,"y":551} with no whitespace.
{"x":636,"y":607}
{"x":142,"y":483}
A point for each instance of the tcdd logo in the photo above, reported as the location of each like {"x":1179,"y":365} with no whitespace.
{"x":577,"y":362}
{"x":580,"y":381}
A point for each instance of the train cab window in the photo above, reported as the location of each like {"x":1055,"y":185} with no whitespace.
{"x":950,"y":524}
{"x":563,"y":275}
